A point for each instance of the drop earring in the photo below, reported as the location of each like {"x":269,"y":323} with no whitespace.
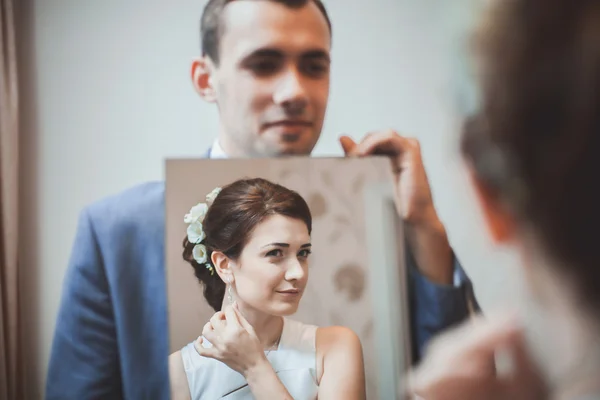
{"x":229,"y":295}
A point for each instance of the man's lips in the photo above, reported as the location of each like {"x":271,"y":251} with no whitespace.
{"x":289,"y":123}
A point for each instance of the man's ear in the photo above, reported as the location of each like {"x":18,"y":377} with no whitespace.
{"x":223,"y":265}
{"x":499,"y":222}
{"x":202,"y":72}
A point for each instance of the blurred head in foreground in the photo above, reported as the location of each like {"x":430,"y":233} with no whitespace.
{"x":533,"y":153}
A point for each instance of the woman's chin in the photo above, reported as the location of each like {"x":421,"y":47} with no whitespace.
{"x":285,"y":309}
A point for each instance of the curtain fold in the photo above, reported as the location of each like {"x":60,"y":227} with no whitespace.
{"x":11,"y":377}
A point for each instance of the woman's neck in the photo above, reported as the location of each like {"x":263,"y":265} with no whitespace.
{"x":267,"y":327}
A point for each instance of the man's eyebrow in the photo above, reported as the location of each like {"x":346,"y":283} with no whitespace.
{"x":317,"y":54}
{"x":276,"y":53}
{"x":263,"y":52}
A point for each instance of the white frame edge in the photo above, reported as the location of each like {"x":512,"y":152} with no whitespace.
{"x":388,"y":275}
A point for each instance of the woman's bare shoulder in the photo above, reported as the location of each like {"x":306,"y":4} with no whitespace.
{"x":337,"y":336}
{"x":178,"y":378}
{"x":334,"y":343}
{"x":340,"y":363}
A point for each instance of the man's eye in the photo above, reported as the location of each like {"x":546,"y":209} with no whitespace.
{"x":315,"y":69}
{"x":264,"y":67}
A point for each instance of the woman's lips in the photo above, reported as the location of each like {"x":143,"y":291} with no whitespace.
{"x":289,"y":292}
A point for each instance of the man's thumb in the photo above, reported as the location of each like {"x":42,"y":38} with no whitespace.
{"x":347,"y":144}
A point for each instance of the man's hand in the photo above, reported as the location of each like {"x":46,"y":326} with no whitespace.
{"x":425,"y":232}
{"x":461,"y":365}
{"x":414,"y":201}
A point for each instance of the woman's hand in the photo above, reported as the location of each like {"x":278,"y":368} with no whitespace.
{"x":233,"y":340}
{"x":461,"y":364}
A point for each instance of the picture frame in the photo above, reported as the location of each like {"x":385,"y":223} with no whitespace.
{"x":357,"y":270}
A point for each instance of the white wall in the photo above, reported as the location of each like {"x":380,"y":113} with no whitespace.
{"x":106,"y":96}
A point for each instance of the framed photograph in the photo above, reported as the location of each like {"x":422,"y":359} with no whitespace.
{"x":357,"y":275}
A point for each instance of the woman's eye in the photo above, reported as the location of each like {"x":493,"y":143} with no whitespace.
{"x":304,"y":253}
{"x":274,"y":253}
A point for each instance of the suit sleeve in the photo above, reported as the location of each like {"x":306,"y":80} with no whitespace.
{"x":84,"y":361}
{"x":435,"y":308}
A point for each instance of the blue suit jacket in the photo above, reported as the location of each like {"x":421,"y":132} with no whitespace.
{"x":111,"y":338}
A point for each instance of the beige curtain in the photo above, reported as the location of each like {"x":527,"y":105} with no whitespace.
{"x":11,"y":386}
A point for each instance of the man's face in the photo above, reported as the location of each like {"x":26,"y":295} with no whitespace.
{"x":272,"y":82}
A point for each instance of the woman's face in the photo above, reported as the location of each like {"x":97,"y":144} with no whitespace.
{"x":272,"y":270}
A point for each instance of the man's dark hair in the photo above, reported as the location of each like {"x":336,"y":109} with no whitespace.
{"x":212,"y":26}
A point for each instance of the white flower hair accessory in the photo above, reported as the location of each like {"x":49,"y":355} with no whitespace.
{"x":195,"y":232}
{"x":210,"y":198}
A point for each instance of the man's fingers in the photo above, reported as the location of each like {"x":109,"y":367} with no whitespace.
{"x":384,"y":143}
{"x":348,"y":145}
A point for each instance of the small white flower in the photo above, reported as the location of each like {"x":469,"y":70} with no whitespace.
{"x":199,"y":253}
{"x":196,"y":214}
{"x":212,"y":195}
{"x":195,"y":233}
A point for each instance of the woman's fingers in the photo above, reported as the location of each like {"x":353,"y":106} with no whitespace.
{"x":232,"y":317}
{"x":218,"y":321}
{"x":210,"y":334}
{"x":207,"y":328}
{"x":206,"y":351}
{"x":244,"y":323}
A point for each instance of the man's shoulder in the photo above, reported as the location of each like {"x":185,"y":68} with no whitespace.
{"x":141,"y":197}
{"x":130,"y":207}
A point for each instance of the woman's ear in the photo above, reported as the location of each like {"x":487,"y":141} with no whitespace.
{"x":223,"y":265}
{"x":203,"y":78}
{"x":499,"y":222}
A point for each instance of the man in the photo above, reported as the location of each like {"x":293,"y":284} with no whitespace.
{"x":266,"y":66}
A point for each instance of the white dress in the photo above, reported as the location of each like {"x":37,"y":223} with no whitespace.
{"x":294,"y":361}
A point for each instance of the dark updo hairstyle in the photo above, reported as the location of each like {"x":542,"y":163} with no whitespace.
{"x":231,"y":219}
{"x":535,"y":142}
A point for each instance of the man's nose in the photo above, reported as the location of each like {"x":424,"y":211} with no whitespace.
{"x":291,"y":92}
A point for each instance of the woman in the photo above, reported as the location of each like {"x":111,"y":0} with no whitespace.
{"x":533,"y":151}
{"x":249,"y":246}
